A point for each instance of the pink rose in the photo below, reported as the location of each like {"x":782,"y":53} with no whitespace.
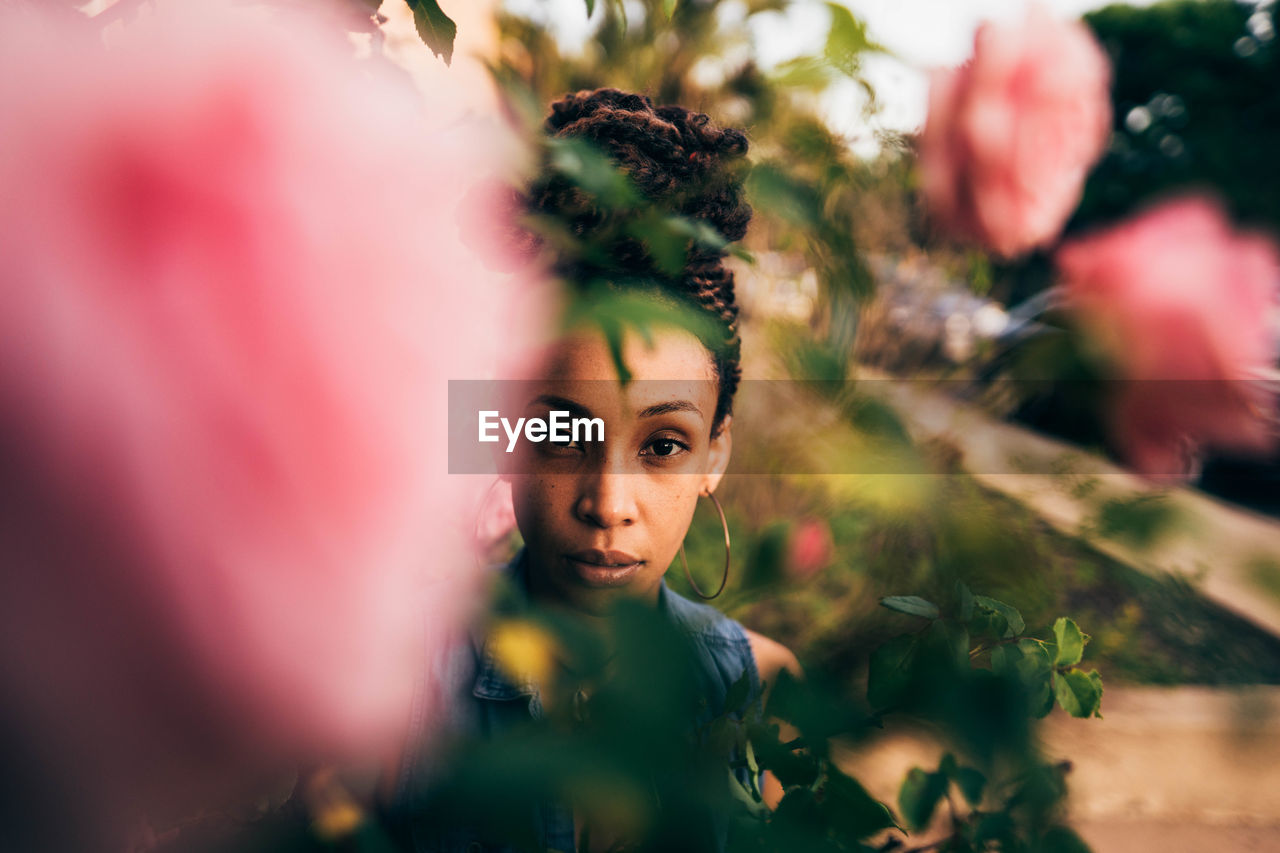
{"x":231,"y":295}
{"x":810,"y":548}
{"x":1181,"y":304}
{"x":1012,"y":134}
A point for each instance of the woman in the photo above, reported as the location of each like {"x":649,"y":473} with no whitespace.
{"x":603,"y":519}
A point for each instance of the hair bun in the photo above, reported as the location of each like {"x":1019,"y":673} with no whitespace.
{"x":682,"y":163}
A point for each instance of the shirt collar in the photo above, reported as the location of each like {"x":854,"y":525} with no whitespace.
{"x":490,"y":681}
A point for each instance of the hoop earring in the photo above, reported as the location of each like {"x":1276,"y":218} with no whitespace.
{"x":725,"y":579}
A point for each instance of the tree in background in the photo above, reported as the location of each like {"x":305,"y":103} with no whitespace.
{"x":1196,"y":105}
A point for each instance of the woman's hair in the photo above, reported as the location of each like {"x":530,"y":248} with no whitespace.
{"x":681,"y":164}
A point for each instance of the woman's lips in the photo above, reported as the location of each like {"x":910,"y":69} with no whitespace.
{"x":603,"y":568}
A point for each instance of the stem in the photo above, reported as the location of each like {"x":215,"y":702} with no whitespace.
{"x":986,"y":647}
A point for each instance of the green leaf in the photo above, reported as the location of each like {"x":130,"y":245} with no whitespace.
{"x":803,"y":72}
{"x":736,"y":697}
{"x":971,"y":783}
{"x":593,"y":171}
{"x":1035,"y":668}
{"x":919,"y":796}
{"x":1013,"y":619}
{"x":744,"y":796}
{"x":1097,"y":683}
{"x":436,"y":29}
{"x":994,"y":826}
{"x":1070,"y":642}
{"x":947,"y":643}
{"x":613,"y":338}
{"x":702,"y":233}
{"x":790,"y":767}
{"x":754,"y":776}
{"x":1034,"y":659}
{"x":591,"y":7}
{"x":1079,"y":693}
{"x":1040,"y":700}
{"x":986,"y":623}
{"x":772,"y":188}
{"x":851,"y":810}
{"x":964,"y":601}
{"x":666,"y":245}
{"x":669,"y":8}
{"x":913,"y":605}
{"x":633,"y":308}
{"x":1004,"y":659}
{"x":847,"y":40}
{"x":888,"y":672}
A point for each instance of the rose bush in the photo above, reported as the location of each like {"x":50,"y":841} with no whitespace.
{"x":1182,"y":305}
{"x":231,"y":294}
{"x":1011,"y":134}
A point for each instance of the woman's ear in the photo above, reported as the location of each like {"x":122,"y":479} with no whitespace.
{"x":718,"y":456}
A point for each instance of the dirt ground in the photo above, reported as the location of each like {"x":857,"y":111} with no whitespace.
{"x":1166,"y":769}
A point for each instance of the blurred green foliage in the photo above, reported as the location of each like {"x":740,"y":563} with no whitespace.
{"x":631,"y":750}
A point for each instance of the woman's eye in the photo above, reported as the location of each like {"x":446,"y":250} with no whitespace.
{"x":664,"y":447}
{"x":564,"y":446}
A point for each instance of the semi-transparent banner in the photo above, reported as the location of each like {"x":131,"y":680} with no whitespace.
{"x":851,"y":427}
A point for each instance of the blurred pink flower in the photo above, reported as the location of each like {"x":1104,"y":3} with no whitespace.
{"x":1012,"y":134}
{"x":1180,"y":303}
{"x":232,"y":292}
{"x":810,"y":548}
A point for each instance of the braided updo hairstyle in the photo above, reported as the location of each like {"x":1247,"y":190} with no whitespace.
{"x":681,"y":164}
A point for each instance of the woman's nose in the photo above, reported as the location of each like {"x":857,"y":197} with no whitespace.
{"x":607,"y":499}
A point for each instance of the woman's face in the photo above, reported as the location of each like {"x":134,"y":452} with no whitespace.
{"x":603,"y":519}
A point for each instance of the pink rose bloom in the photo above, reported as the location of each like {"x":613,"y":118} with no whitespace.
{"x":1181,"y":305}
{"x":1012,"y":134}
{"x":810,"y":548}
{"x":232,"y":291}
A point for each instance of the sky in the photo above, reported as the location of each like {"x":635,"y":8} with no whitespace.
{"x":919,"y":34}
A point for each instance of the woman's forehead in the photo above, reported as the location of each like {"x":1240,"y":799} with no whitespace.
{"x":669,"y":354}
{"x":675,"y":369}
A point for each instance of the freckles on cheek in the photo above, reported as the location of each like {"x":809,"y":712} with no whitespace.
{"x":532,"y":498}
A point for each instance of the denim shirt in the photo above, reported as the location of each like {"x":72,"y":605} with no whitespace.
{"x":478,"y":699}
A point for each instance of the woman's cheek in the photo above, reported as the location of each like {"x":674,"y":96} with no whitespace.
{"x":528,"y":503}
{"x":676,"y":510}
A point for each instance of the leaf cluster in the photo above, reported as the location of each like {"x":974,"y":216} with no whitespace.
{"x":1044,"y":672}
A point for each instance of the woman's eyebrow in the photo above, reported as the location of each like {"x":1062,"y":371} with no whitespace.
{"x":668,"y":408}
{"x":555,"y":403}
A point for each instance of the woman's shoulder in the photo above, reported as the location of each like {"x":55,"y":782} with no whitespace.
{"x":772,"y":658}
